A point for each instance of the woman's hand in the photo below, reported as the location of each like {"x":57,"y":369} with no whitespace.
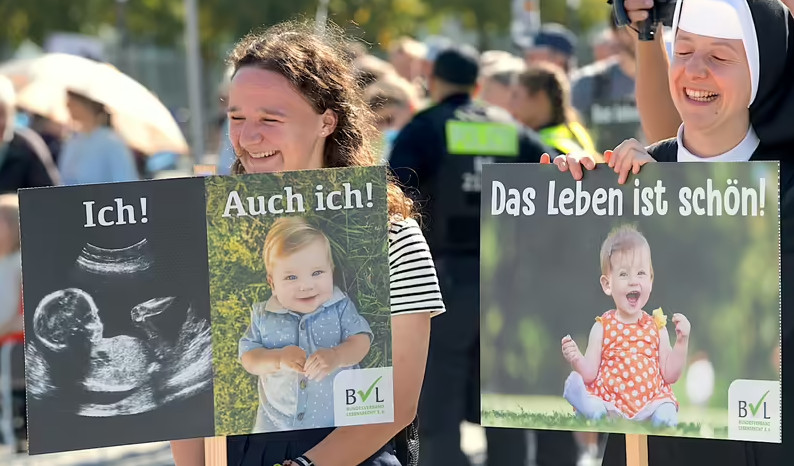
{"x":629,"y":156}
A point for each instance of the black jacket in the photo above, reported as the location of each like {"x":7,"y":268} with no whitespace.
{"x":439,"y":156}
{"x":21,"y":167}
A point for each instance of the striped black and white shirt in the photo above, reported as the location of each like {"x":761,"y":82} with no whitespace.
{"x":413,"y":280}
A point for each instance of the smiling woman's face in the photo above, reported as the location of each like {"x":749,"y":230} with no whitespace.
{"x":273,"y":127}
{"x":710,"y":81}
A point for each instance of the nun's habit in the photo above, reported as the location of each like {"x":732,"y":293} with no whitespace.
{"x":764,"y":32}
{"x":773,"y":119}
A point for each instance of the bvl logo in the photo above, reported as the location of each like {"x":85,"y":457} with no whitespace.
{"x":755,"y":410}
{"x":353,"y":396}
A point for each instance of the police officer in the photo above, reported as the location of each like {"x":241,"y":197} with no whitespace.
{"x":438,"y":157}
{"x":603,"y":93}
{"x":541,"y":100}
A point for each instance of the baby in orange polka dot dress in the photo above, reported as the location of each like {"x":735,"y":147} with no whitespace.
{"x":629,"y":366}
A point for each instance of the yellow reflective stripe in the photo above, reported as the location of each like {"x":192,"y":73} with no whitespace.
{"x":583,"y":137}
{"x":481,"y":138}
{"x":561,"y":138}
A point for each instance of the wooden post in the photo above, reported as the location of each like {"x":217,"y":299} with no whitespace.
{"x":636,"y":450}
{"x":215,"y":451}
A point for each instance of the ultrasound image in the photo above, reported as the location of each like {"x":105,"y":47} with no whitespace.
{"x":121,"y":374}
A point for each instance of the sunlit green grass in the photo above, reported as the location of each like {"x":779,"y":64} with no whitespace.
{"x":550,"y":412}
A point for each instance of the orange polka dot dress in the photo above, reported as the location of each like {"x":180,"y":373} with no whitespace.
{"x":629,"y":377}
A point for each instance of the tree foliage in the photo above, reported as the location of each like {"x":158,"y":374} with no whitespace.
{"x":221,"y":22}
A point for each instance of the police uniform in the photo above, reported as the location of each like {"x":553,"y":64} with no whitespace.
{"x":604,"y":96}
{"x":439,"y":157}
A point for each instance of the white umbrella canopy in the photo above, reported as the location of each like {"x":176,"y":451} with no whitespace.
{"x":137,"y":115}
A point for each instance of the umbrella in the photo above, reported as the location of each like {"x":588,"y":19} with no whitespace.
{"x":138,"y":116}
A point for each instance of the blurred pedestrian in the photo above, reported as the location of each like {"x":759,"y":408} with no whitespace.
{"x":603,"y":93}
{"x":604,"y":45}
{"x":498,"y":70}
{"x":406,"y":55}
{"x":370,"y":68}
{"x":554,"y":44}
{"x":541,"y":100}
{"x":12,"y":387}
{"x":96,"y":154}
{"x":23,"y":163}
{"x":51,"y":132}
{"x":393,"y":100}
{"x":10,"y":268}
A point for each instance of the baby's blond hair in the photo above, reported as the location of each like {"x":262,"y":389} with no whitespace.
{"x":288,"y":235}
{"x":622,"y":238}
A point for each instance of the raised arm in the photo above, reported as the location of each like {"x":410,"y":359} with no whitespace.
{"x":672,"y":360}
{"x":658,"y":116}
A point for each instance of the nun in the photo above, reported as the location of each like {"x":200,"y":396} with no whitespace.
{"x":772,"y":119}
{"x":728,"y":58}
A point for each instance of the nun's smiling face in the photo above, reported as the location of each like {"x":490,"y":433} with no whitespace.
{"x":710,"y":83}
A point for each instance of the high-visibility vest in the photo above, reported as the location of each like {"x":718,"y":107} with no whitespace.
{"x":569,"y":139}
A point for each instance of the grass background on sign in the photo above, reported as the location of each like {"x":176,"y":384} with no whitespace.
{"x":237,"y":273}
{"x":541,"y":282}
{"x":554,"y":412}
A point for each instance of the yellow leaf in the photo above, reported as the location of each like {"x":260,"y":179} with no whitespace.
{"x":659,"y":318}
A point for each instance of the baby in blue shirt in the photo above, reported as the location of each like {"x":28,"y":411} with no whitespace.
{"x":306,"y":333}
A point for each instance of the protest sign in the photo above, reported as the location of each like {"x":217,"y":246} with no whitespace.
{"x":647,"y":308}
{"x":261,"y":233}
{"x":145,"y":300}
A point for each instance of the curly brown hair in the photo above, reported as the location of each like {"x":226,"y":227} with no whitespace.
{"x":315,"y":66}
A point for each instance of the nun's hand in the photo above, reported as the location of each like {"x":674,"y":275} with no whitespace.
{"x":629,"y":156}
{"x":572,"y":163}
{"x":638,"y":9}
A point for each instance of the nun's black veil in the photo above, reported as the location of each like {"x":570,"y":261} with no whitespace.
{"x":772,"y":112}
{"x":772,"y":117}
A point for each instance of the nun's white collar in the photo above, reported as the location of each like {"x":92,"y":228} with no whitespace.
{"x":275,"y":306}
{"x":741,"y":153}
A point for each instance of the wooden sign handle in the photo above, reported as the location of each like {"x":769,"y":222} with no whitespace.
{"x":636,"y":450}
{"x":215,"y":451}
